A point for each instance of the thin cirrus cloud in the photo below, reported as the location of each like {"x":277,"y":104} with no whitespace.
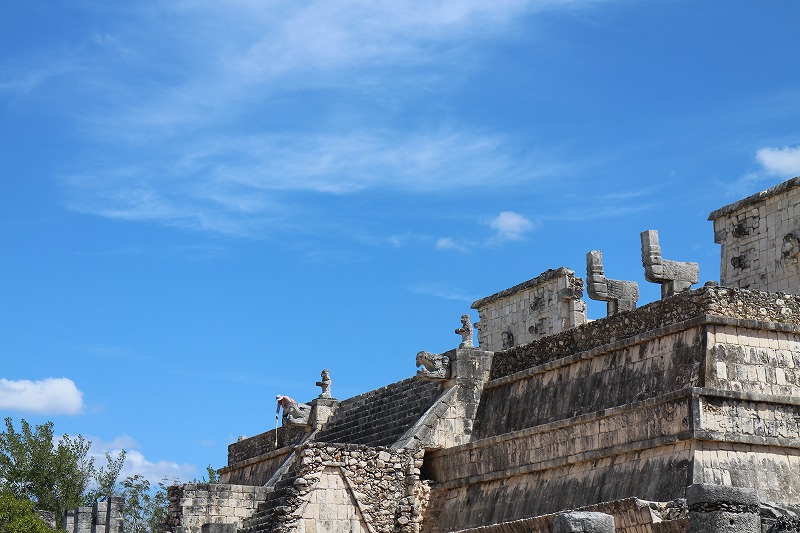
{"x":167,"y":107}
{"x":246,"y":184}
{"x":50,"y":396}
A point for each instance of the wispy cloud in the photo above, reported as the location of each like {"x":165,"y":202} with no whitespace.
{"x":449,"y":243}
{"x":50,"y":396}
{"x":458,"y":295}
{"x":241,"y":186}
{"x":167,"y":107}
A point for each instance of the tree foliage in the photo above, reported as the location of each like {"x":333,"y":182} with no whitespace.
{"x":40,"y":472}
{"x":17,"y":515}
{"x":33,"y":466}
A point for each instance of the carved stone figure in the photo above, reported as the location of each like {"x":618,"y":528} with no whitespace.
{"x":325,"y":384}
{"x":508,"y":339}
{"x":673,"y":276}
{"x":466,"y":332}
{"x":791,"y":246}
{"x":435,"y":367}
{"x":294,"y":413}
{"x":619,"y":295}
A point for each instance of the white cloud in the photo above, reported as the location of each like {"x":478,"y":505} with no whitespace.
{"x":510,"y":226}
{"x":784,"y":162}
{"x":448,"y":243}
{"x":137,"y":463}
{"x":51,"y":396}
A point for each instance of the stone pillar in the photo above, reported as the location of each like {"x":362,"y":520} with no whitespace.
{"x":722,"y":509}
{"x":116,"y":507}
{"x":83,"y":520}
{"x":321,"y":410}
{"x":68,"y":522}
{"x":100,"y":517}
{"x":583,"y":522}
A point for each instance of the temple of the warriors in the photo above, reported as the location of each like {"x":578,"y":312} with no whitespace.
{"x":681,"y":415}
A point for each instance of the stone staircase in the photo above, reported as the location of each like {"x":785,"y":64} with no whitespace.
{"x":381,"y":416}
{"x":280,"y":500}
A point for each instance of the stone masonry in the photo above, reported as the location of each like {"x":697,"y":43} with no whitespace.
{"x":100,"y":517}
{"x":681,"y":415}
{"x":545,"y":305}
{"x":760,"y":238}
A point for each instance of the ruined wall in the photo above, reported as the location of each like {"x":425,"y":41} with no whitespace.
{"x":450,"y":420}
{"x":334,"y":487}
{"x":256,"y":471}
{"x":545,"y":305}
{"x":655,"y":473}
{"x":253,"y":461}
{"x":263,"y":443}
{"x":100,"y":517}
{"x":754,"y":358}
{"x":759,"y":306}
{"x":194,"y":504}
{"x":629,"y":371}
{"x":760,"y":238}
{"x":631,"y":515}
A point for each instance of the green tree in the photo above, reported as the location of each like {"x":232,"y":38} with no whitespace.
{"x":145,"y":506}
{"x":53,"y":475}
{"x":17,"y":515}
{"x":105,"y":479}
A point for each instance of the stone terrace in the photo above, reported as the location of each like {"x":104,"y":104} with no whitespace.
{"x":381,"y":416}
{"x":706,"y":301}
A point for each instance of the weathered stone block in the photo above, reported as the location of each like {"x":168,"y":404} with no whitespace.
{"x":583,"y":522}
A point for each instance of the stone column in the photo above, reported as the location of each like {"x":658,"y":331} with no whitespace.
{"x":100,"y":517}
{"x":722,"y":509}
{"x":583,"y":522}
{"x":83,"y":520}
{"x":114,"y":522}
{"x":68,"y":523}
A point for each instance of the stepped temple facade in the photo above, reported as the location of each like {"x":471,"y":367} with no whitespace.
{"x":682,"y":415}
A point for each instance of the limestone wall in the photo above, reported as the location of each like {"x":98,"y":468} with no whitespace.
{"x":746,"y":357}
{"x":628,"y":371}
{"x":255,"y":471}
{"x":760,"y":238}
{"x":545,"y":305}
{"x":100,"y":517}
{"x":345,"y":488}
{"x":655,"y":473}
{"x":195,"y":504}
{"x":264,"y":443}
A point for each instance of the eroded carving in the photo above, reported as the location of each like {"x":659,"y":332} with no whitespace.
{"x":619,"y":295}
{"x":466,"y":332}
{"x":325,"y":384}
{"x":508,"y":339}
{"x":673,"y":276}
{"x":294,"y":413}
{"x":435,"y":367}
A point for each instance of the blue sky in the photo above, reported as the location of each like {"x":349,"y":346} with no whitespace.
{"x":206,"y":203}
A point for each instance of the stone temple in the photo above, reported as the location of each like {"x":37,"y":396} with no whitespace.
{"x":679,"y":415}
